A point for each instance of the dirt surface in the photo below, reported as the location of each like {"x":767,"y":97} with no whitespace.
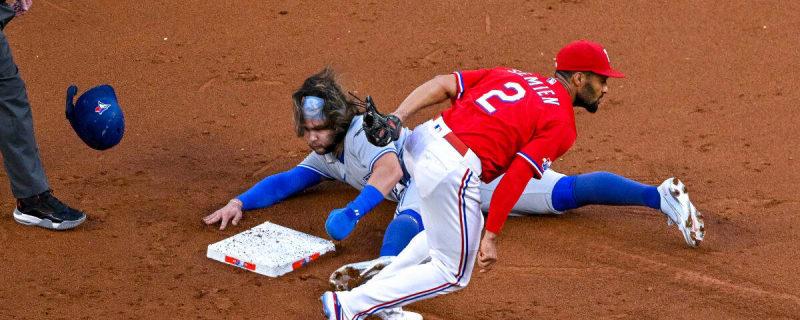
{"x":710,"y":97}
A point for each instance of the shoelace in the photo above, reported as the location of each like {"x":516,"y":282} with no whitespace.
{"x":48,"y":201}
{"x":53,"y":202}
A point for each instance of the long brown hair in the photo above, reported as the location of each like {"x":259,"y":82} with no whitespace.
{"x":338,"y":109}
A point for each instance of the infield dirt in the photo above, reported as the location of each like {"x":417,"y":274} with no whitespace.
{"x":710,"y":97}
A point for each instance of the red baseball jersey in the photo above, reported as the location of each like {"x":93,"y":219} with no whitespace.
{"x":504,"y":113}
{"x":515,"y":122}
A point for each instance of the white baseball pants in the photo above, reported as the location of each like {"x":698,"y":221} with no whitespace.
{"x":448,"y":184}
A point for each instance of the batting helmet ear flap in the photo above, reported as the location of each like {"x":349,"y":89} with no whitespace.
{"x":96,"y":117}
{"x":71,"y":91}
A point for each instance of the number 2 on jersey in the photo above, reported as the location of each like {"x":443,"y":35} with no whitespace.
{"x":483,"y":101}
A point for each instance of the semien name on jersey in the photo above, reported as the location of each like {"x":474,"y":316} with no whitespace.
{"x":538,"y":86}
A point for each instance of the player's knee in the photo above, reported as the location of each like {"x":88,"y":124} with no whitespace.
{"x":564,"y":194}
{"x":463,"y":283}
{"x":411,"y":214}
{"x":400,"y":231}
{"x":455,"y":274}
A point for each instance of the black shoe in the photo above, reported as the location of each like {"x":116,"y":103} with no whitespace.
{"x":45,"y":211}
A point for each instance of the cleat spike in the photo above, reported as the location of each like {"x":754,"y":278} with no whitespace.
{"x":675,"y":204}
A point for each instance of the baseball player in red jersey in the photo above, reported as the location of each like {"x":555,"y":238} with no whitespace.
{"x":501,"y":121}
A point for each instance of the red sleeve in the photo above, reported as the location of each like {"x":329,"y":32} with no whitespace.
{"x":549,"y":143}
{"x":507,"y":194}
{"x":468,"y":79}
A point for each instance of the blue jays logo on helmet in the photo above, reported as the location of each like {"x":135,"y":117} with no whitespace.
{"x":101,"y":107}
{"x":96,"y":117}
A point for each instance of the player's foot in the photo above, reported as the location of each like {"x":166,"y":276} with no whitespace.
{"x":398,"y":314}
{"x":681,"y":212}
{"x":44,"y":210}
{"x":331,"y":306}
{"x":352,"y":275}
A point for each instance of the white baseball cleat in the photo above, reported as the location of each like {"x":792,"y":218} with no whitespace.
{"x":681,"y":212}
{"x":398,"y":314}
{"x":352,"y":275}
{"x":330,"y":306}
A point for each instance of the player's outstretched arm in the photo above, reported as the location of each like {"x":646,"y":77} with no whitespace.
{"x":436,"y":90}
{"x":267,"y":192}
{"x":385,"y":175}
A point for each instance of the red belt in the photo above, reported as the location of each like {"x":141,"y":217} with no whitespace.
{"x":455,"y":141}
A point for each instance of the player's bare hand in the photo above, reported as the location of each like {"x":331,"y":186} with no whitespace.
{"x":231,"y":212}
{"x":487,"y":254}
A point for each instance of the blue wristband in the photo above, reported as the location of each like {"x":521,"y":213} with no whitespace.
{"x":366,"y":200}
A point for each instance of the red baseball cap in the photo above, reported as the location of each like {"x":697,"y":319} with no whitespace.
{"x":585,"y":55}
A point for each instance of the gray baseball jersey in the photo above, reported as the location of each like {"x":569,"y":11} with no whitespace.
{"x":355,"y":165}
{"x":359,"y":157}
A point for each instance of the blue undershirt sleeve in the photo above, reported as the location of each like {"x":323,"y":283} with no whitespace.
{"x":366,"y":200}
{"x":277,"y":187}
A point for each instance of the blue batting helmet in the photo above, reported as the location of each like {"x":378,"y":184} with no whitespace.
{"x":96,"y":117}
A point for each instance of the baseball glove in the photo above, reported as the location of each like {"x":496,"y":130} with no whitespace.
{"x":381,"y":129}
